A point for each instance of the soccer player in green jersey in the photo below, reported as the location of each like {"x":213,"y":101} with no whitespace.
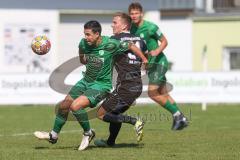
{"x":157,"y":63}
{"x":96,"y":52}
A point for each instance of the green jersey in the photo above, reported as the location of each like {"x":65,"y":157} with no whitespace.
{"x":151,"y":34}
{"x":100,"y":60}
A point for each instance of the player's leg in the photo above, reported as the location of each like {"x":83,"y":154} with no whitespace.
{"x":158,"y":91}
{"x":61,"y":118}
{"x":158,"y":94}
{"x":113,"y":106}
{"x":62,"y":113}
{"x":90,"y":98}
{"x":77,"y":107}
{"x":179,"y":120}
{"x":114,"y":129}
{"x":116,"y":118}
{"x":111,"y":112}
{"x":125,"y":101}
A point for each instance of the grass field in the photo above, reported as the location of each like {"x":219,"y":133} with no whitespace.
{"x":212,"y":135}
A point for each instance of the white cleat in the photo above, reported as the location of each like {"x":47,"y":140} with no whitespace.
{"x":87,"y":138}
{"x":41,"y":135}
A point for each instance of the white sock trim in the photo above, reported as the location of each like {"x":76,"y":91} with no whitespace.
{"x":54,"y":134}
{"x":178,"y":113}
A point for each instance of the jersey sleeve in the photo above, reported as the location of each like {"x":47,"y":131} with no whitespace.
{"x":120,"y":47}
{"x":81,"y":45}
{"x":155,"y":32}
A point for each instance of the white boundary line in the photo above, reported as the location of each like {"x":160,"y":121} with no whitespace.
{"x":28,"y":134}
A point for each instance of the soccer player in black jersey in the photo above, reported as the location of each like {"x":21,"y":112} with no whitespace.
{"x":129,"y":84}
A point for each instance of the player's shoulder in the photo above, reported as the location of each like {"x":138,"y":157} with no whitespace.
{"x":111,"y":39}
{"x":82,"y":43}
{"x":150,"y":25}
{"x":110,"y":43}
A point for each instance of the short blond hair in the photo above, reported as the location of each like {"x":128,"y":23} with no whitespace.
{"x":125,"y":17}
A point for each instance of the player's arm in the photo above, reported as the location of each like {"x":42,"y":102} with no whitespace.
{"x":137,"y":52}
{"x":82,"y":57}
{"x":161,"y":47}
{"x":157,"y":34}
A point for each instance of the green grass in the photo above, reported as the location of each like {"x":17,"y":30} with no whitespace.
{"x":212,"y":135}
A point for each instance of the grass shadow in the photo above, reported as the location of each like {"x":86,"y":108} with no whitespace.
{"x":57,"y":147}
{"x":129,"y":145}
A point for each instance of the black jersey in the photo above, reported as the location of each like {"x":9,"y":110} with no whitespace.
{"x":128,"y":65}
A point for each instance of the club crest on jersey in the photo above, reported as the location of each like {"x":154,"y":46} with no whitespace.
{"x":101,"y":52}
{"x":142,"y":35}
{"x":124,"y":44}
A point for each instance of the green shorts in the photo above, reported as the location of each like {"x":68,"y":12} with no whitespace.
{"x":157,"y":71}
{"x":93,"y":91}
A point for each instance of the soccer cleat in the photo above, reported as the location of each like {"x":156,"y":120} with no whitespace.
{"x":45,"y":136}
{"x":102,"y":143}
{"x":179,"y":122}
{"x":139,"y":129}
{"x":87,"y":138}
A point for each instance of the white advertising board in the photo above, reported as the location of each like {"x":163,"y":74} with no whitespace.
{"x":188,"y":87}
{"x":27,"y":89}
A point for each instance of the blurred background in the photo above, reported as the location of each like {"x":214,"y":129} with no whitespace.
{"x":203,"y":35}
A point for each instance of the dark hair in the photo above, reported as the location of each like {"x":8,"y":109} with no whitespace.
{"x":125,"y":17}
{"x":94,"y":25}
{"x":135,"y":5}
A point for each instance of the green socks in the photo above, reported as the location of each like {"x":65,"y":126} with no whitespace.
{"x":82,"y":117}
{"x":61,"y":117}
{"x":58,"y":124}
{"x":173,"y":108}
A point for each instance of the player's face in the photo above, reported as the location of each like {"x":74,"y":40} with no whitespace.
{"x":136,"y":15}
{"x":91,"y":37}
{"x":117,"y":25}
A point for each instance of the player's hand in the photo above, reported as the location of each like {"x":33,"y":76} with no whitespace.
{"x":145,"y":63}
{"x":154,"y":53}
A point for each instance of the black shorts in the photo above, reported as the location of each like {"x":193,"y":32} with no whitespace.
{"x":122,"y":97}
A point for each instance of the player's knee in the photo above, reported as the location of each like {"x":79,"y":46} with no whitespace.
{"x":74,"y":107}
{"x":155,"y":96}
{"x":100,"y":116}
{"x":66,"y":103}
{"x":152,"y":94}
{"x":101,"y":113}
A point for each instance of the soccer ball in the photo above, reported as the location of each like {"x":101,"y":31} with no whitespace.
{"x":41,"y":45}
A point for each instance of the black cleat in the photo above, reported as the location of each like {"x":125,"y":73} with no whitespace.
{"x":45,"y":136}
{"x":52,"y":140}
{"x":103,"y":143}
{"x":179,"y":122}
